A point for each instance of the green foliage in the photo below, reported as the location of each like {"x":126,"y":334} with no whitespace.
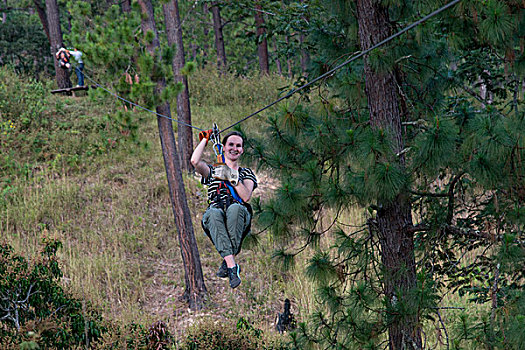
{"x":33,"y":299}
{"x":37,"y":312}
{"x":213,"y":335}
{"x":460,"y":168}
{"x":435,"y":145}
{"x":23,"y":44}
{"x":23,"y":100}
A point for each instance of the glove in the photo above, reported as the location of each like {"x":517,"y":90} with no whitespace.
{"x":224,"y":172}
{"x":205,"y":135}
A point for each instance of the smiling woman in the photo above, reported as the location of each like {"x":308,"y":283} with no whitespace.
{"x":228,"y":217}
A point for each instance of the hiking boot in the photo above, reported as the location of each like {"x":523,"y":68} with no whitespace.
{"x":233,"y":274}
{"x":222,"y":272}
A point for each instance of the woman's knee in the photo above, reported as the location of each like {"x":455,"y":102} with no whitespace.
{"x":213,"y":216}
{"x":236,"y":210}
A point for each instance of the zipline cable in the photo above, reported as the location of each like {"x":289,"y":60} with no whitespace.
{"x":441,"y":9}
{"x":139,"y":106}
{"x":290,"y":93}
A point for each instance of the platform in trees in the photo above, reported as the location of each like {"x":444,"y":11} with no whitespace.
{"x":73,"y":89}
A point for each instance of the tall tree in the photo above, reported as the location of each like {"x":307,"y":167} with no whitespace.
{"x":219,"y":38}
{"x":55,"y":35}
{"x":40,"y":10}
{"x":277,"y":60}
{"x":437,"y":170}
{"x":394,"y":221}
{"x":195,"y":291}
{"x":126,"y":6}
{"x":174,"y":34}
{"x":205,"y":31}
{"x":262,"y":43}
{"x":305,"y":56}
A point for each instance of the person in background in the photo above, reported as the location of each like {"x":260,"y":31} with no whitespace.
{"x":227,"y":220}
{"x":63,"y":57}
{"x":77,"y":55}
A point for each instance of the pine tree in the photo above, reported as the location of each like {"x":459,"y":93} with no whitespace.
{"x":174,"y":36}
{"x":403,"y":134}
{"x":55,"y":37}
{"x":262,"y":43}
{"x":222,"y":64}
{"x":115,"y":46}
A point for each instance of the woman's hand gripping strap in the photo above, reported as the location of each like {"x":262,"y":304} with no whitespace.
{"x":205,"y":134}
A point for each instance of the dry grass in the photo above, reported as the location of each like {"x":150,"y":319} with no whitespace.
{"x":114,"y":217}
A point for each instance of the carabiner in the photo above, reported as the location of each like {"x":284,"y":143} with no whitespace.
{"x":217,"y":145}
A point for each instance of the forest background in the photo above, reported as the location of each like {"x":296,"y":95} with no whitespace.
{"x":390,"y":203}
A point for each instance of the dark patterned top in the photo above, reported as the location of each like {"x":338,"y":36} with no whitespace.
{"x":224,"y":194}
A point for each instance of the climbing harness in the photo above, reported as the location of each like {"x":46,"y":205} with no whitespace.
{"x":218,"y":148}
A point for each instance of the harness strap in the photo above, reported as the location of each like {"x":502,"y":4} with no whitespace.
{"x":231,"y":191}
{"x":234,"y":193}
{"x":218,"y":148}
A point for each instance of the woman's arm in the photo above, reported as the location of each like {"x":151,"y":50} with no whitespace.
{"x":244,"y":189}
{"x":200,"y":166}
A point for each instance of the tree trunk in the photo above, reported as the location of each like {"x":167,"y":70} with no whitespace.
{"x":205,"y":32}
{"x":262,"y":44}
{"x":126,"y":6}
{"x":393,"y":219}
{"x":55,"y":34}
{"x":174,"y":34}
{"x":43,"y":18}
{"x":289,"y":62}
{"x":277,"y":60}
{"x":219,"y":39}
{"x":195,"y":291}
{"x":305,"y":57}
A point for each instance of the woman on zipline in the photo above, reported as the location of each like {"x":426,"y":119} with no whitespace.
{"x":228,"y":217}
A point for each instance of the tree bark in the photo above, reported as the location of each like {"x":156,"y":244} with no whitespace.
{"x":174,"y":34}
{"x":43,"y":18}
{"x":289,"y":62}
{"x":195,"y":291}
{"x":262,"y":44}
{"x":277,"y":60}
{"x":305,"y":57}
{"x":219,"y":38}
{"x":55,"y":35}
{"x":126,"y":6}
{"x":205,"y":32}
{"x":394,"y":218}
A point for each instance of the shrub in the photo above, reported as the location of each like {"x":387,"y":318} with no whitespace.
{"x":23,"y":100}
{"x":215,"y":335}
{"x":34,"y":308}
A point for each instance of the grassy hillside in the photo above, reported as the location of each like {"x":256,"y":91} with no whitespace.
{"x":70,"y":170}
{"x":86,"y":172}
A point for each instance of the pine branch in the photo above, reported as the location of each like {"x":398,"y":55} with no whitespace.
{"x":461,"y":86}
{"x":476,"y":234}
{"x":443,"y":327}
{"x":22,"y":9}
{"x":451,"y":198}
{"x":429,"y":194}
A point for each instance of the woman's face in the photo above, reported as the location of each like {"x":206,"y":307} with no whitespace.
{"x":233,"y":147}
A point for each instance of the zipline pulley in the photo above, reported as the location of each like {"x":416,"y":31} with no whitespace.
{"x":217,"y":145}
